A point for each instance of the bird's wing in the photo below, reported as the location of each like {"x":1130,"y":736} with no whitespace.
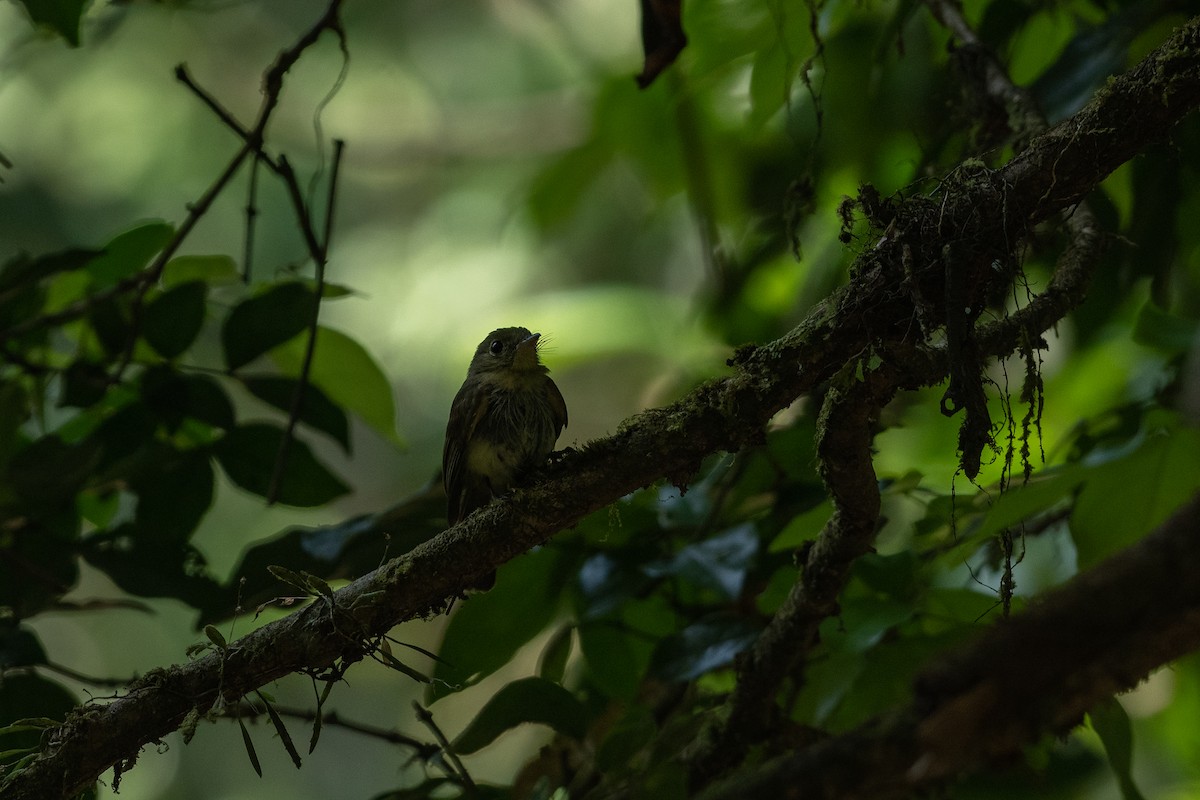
{"x":557,"y":405}
{"x":466,"y":411}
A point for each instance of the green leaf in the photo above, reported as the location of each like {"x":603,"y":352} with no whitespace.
{"x":1111,"y":724}
{"x":50,"y":469}
{"x":84,"y":383}
{"x":684,"y":509}
{"x":771,"y":81}
{"x":248,"y":743}
{"x":33,"y":724}
{"x":174,"y":396}
{"x":22,"y":270}
{"x":1126,"y":497}
{"x":33,"y":700}
{"x":802,"y":528}
{"x":37,"y":550}
{"x":14,"y":411}
{"x":149,"y":567}
{"x":719,"y":563}
{"x":99,"y":507}
{"x":950,"y":608}
{"x":632,"y":732}
{"x":827,"y":682}
{"x":485,"y":633}
{"x":331,"y":291}
{"x":896,"y":576}
{"x":606,"y":583}
{"x":212,"y":270}
{"x":215,"y":636}
{"x":174,"y":497}
{"x":778,"y":587}
{"x":60,"y":16}
{"x":127,"y":443}
{"x":701,"y":647}
{"x":665,"y":780}
{"x":1089,"y":58}
{"x":887,"y":673}
{"x":1044,"y":491}
{"x":1164,"y":331}
{"x":281,"y":729}
{"x":730,"y":30}
{"x":318,"y":411}
{"x":265,"y":321}
{"x":319,"y":715}
{"x":319,"y":585}
{"x":21,"y":305}
{"x":248,"y":454}
{"x":865,"y":620}
{"x":171,"y":322}
{"x":553,"y":663}
{"x":128,"y":253}
{"x":1158,"y":185}
{"x":348,"y":376}
{"x":525,"y":700}
{"x":19,"y":647}
{"x":109,"y":318}
{"x":67,"y":289}
{"x":616,"y":658}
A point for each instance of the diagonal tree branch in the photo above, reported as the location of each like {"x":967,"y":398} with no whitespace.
{"x":1052,"y":174}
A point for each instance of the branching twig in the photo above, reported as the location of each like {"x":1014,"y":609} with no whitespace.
{"x":320,"y":257}
{"x":1022,"y":114}
{"x":317,"y":245}
{"x":458,"y":770}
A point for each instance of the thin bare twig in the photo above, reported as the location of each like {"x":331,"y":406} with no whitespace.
{"x":458,"y":771}
{"x":320,"y":258}
{"x":425,"y":750}
{"x":251,"y":222}
{"x":91,"y":680}
{"x":317,"y":246}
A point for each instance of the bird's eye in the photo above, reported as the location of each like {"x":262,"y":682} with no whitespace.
{"x":496,"y":346}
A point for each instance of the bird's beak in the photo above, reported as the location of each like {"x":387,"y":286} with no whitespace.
{"x":526,"y":356}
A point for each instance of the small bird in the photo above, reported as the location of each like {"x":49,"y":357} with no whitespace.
{"x":503,"y":424}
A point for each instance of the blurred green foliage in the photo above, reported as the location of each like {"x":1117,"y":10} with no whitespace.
{"x":649,"y":230}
